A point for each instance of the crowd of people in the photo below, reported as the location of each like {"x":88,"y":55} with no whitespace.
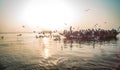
{"x":91,"y":33}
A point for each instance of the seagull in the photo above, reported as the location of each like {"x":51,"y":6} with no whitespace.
{"x":87,"y":10}
{"x":96,"y":24}
{"x":2,"y":37}
{"x":19,"y":35}
{"x":105,"y":22}
{"x":65,"y":23}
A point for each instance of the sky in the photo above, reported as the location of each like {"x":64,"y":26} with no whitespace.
{"x":58,"y":14}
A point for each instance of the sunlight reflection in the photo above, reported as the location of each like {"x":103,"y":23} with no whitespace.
{"x":46,"y":50}
{"x":46,"y":53}
{"x":45,"y":41}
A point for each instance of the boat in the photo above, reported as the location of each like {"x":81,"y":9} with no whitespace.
{"x":90,"y":34}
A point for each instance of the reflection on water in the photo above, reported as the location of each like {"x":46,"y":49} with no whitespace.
{"x":26,"y":53}
{"x":46,"y":53}
{"x":46,"y":50}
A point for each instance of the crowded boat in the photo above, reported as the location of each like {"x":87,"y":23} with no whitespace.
{"x":90,"y":34}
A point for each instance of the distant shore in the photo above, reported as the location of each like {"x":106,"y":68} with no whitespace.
{"x":13,"y":32}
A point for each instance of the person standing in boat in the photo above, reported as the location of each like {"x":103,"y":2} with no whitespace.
{"x":70,"y":29}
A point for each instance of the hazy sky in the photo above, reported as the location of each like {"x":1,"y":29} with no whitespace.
{"x":58,"y":14}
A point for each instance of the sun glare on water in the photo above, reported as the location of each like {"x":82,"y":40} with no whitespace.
{"x":46,"y":53}
{"x":48,"y":15}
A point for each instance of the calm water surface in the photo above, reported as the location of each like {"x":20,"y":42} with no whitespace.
{"x":28,"y":53}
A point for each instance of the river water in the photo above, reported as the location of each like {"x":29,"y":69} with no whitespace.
{"x":29,"y":53}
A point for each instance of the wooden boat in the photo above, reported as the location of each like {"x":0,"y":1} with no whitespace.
{"x":91,"y":34}
{"x":90,"y":37}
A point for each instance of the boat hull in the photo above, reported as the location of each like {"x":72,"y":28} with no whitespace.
{"x":89,"y":37}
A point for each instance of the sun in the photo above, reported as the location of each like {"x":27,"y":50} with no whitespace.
{"x":47,"y":15}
